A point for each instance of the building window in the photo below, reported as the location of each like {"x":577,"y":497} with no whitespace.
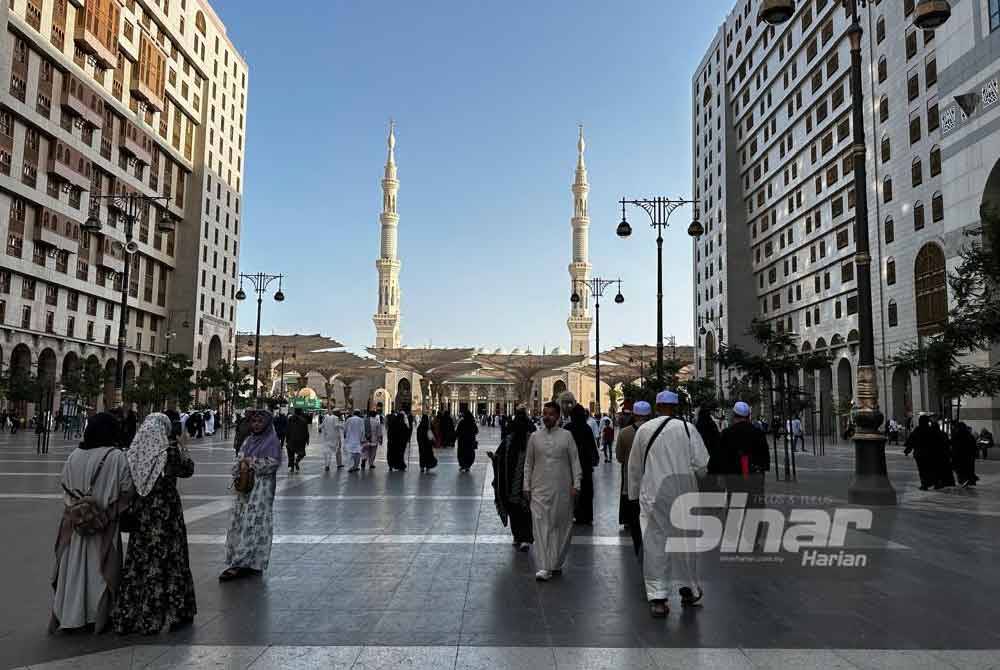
{"x":994,"y":15}
{"x":893,"y":314}
{"x":890,"y":231}
{"x":886,"y":149}
{"x":937,"y":207}
{"x":887,"y":189}
{"x":890,"y":271}
{"x":914,"y":129}
{"x":883,"y":109}
{"x":918,"y":215}
{"x":930,"y":281}
{"x":936,"y":158}
{"x":916,"y":172}
{"x":846,"y":272}
{"x":883,"y":71}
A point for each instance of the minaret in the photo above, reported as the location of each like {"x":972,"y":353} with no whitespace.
{"x":387,"y":318}
{"x":579,"y":321}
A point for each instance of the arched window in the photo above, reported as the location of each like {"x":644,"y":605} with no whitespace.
{"x":893,"y":314}
{"x":886,"y":150}
{"x":937,"y":207}
{"x":890,"y":230}
{"x":883,"y":109}
{"x":890,"y":271}
{"x":199,"y":22}
{"x":916,"y":172}
{"x":930,"y":281}
{"x":883,"y":71}
{"x":918,"y":215}
{"x":880,"y":29}
{"x":935,"y":160}
{"x":887,"y":189}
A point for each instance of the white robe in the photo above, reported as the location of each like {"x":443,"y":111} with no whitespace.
{"x":354,"y":434}
{"x":333,"y":435}
{"x":209,"y":423}
{"x":551,"y":470}
{"x":672,"y":468}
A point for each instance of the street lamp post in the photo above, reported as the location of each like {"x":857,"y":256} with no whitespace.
{"x":597,"y":286}
{"x":260,"y":282}
{"x":659,"y":210}
{"x":871,"y":485}
{"x":130,"y":206}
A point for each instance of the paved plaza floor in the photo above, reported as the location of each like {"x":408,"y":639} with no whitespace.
{"x":403,"y":570}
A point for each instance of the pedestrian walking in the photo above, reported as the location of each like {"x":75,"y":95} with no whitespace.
{"x":97,"y":484}
{"x":397,"y":439}
{"x":583,"y":436}
{"x":628,"y":510}
{"x":354,"y":437}
{"x":963,"y":449}
{"x":296,"y":439}
{"x":712,"y":437}
{"x":607,"y":438}
{"x":157,"y":588}
{"x":552,"y":476}
{"x":425,"y":444}
{"x":373,"y":439}
{"x":508,"y":481}
{"x":466,"y":434}
{"x":744,"y":460}
{"x":667,"y":458}
{"x":332,"y":430}
{"x":248,"y":542}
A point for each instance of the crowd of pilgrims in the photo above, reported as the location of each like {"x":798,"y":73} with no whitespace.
{"x":124,"y":479}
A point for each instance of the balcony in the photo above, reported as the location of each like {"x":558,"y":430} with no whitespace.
{"x":109,"y":262}
{"x":81,"y":102}
{"x":48,"y":237}
{"x":149,"y":77}
{"x":91,"y":23}
{"x":134,"y":142}
{"x":69,"y":167}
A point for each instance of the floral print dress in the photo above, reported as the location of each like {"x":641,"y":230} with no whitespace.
{"x":157,"y":588}
{"x":248,"y":543}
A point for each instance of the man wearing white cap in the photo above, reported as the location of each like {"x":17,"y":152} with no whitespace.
{"x":628,"y":510}
{"x":668,"y":455}
{"x":748,"y":456}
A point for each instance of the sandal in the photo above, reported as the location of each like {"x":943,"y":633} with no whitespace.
{"x":230,"y":574}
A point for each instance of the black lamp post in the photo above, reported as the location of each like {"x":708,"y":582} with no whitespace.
{"x":260,"y":282}
{"x":597,"y":286}
{"x":659,"y":210}
{"x":129,"y":207}
{"x":871,"y":485}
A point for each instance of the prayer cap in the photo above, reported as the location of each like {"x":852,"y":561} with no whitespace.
{"x":666,"y":398}
{"x":642,"y":408}
{"x":741,"y":409}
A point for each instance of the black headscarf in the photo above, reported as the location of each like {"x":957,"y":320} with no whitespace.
{"x":583,"y":436}
{"x":102,"y":430}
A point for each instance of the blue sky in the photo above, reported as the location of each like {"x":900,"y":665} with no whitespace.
{"x":487,"y":97}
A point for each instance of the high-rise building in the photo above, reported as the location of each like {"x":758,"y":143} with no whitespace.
{"x":107,"y":97}
{"x":388,"y":265}
{"x":773,"y":172}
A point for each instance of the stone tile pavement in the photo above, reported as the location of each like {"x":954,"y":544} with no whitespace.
{"x":405,"y":570}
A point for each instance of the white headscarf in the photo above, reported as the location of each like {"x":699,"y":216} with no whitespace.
{"x":147,"y":455}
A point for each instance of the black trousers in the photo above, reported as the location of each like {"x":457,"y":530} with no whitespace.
{"x":520,"y":524}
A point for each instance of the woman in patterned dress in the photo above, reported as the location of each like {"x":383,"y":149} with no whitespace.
{"x":248,"y":543}
{"x":157,"y":588}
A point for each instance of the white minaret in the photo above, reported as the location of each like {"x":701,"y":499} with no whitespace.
{"x":387,"y":318}
{"x":579,"y":321}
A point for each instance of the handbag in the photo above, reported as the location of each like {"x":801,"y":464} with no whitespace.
{"x":244,"y":480}
{"x":85,"y":513}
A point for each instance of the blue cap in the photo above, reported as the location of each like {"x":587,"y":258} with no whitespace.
{"x":642,"y":408}
{"x":666,"y":398}
{"x":741,"y":409}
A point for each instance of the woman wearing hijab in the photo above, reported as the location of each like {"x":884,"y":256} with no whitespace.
{"x":88,"y":565}
{"x":924,"y":444}
{"x":248,"y":543}
{"x":157,"y":588}
{"x":586,"y":446}
{"x":508,"y":480}
{"x":425,"y":444}
{"x":466,"y":433}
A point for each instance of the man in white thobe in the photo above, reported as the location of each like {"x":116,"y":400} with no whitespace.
{"x":354,"y":435}
{"x":552,"y":476}
{"x":667,"y":457}
{"x":333,"y":434}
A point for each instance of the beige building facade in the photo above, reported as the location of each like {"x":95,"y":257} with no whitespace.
{"x":132,"y":97}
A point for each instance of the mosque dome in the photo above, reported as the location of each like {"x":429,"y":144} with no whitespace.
{"x":499,"y":351}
